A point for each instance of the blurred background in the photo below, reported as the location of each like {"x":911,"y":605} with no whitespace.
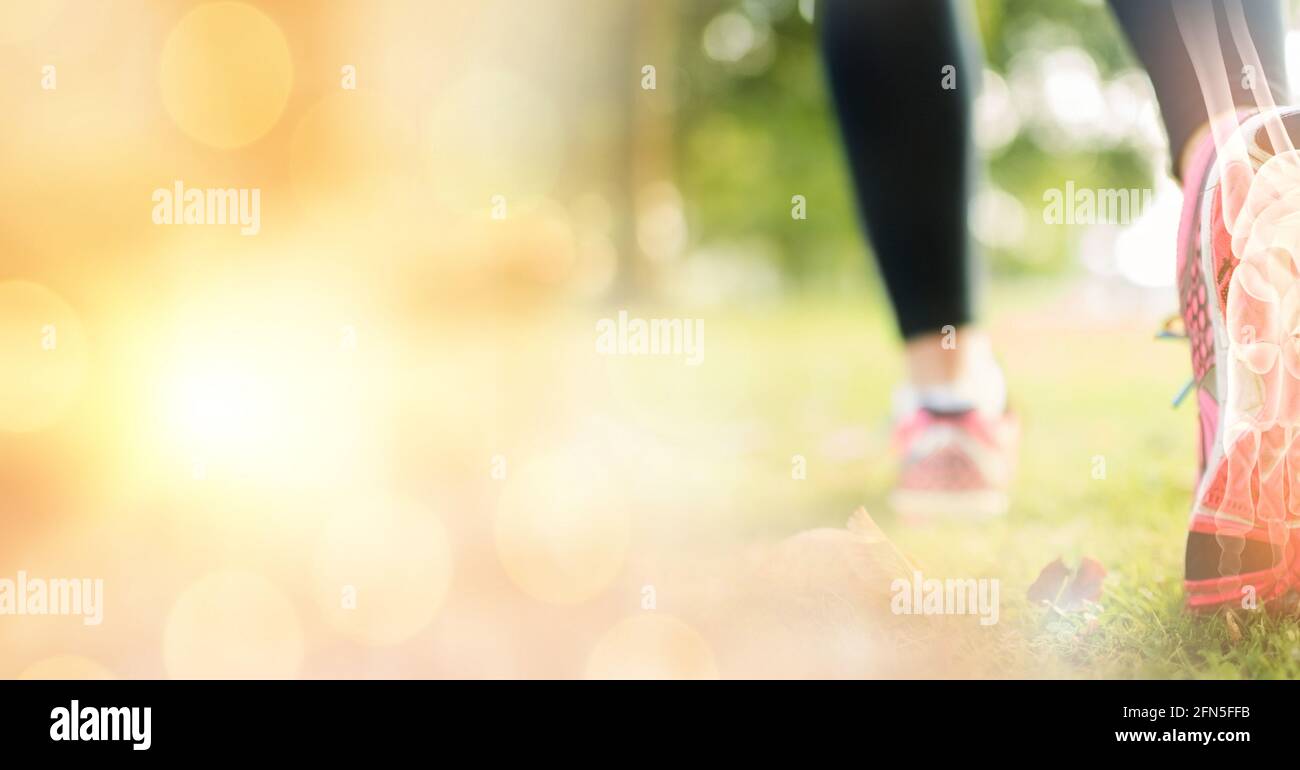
{"x":376,"y":438}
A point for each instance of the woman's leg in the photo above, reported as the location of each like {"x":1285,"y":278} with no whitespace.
{"x":1152,"y":29}
{"x":903,"y":80}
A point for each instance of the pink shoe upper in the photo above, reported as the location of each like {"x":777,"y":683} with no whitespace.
{"x":963,"y":451}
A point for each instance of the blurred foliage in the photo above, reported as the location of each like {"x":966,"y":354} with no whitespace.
{"x":755,"y":131}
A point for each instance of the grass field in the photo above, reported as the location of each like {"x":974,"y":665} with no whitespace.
{"x":1106,"y":472}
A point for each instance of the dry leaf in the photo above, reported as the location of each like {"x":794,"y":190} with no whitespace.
{"x":1234,"y":630}
{"x":859,"y":560}
{"x":1049,"y":582}
{"x":1085,"y":587}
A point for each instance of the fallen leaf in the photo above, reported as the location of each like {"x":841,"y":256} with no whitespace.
{"x":1048,"y":584}
{"x":857,"y":561}
{"x":1085,"y":587}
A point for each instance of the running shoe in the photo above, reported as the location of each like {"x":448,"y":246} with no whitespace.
{"x":1242,"y":318}
{"x":955,"y":465}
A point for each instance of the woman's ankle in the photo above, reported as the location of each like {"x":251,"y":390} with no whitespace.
{"x":954,"y":369}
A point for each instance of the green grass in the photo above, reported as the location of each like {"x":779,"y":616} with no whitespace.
{"x":816,"y":380}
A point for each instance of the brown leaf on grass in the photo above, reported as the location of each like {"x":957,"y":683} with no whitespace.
{"x":858,"y":560}
{"x":1085,"y":587}
{"x":1049,"y":582}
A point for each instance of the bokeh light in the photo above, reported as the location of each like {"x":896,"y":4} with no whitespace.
{"x":562,"y":528}
{"x":232,"y":625}
{"x":43,"y":351}
{"x":651,"y":646}
{"x":351,"y":160}
{"x":225,"y":74}
{"x":21,"y":21}
{"x":381,"y":572}
{"x":66,"y":667}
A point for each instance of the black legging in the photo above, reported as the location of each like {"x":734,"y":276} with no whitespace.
{"x":909,"y":138}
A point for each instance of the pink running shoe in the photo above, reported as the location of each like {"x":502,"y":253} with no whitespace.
{"x":1246,"y":367}
{"x":955,"y":464}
